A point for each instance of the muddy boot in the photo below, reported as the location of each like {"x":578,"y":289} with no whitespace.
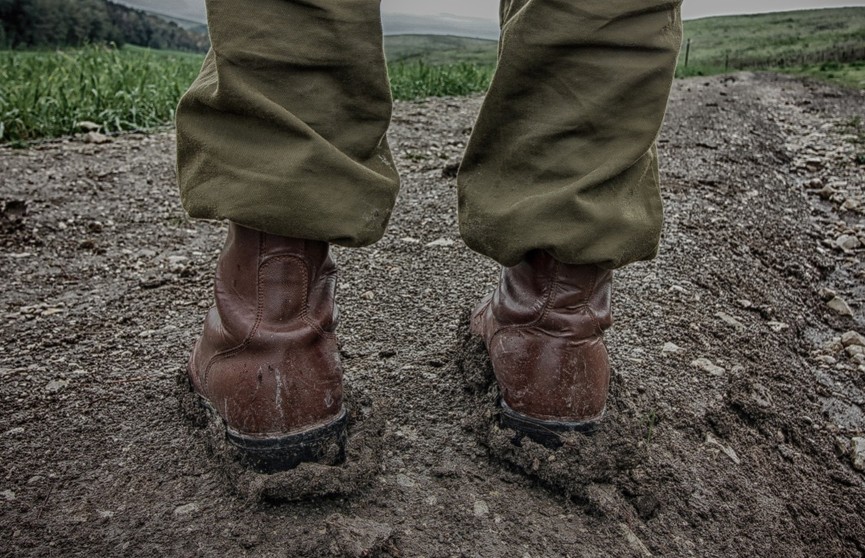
{"x":267,"y":362}
{"x":543,"y":327}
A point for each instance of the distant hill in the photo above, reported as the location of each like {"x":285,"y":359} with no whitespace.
{"x":53,"y":23}
{"x":777,"y":39}
{"x":187,"y":12}
{"x":439,"y":49}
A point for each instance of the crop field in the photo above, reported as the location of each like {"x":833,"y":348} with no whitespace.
{"x":46,"y":94}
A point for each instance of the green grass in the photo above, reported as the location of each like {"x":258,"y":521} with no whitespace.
{"x":46,"y":94}
{"x":794,"y":42}
{"x":440,"y":50}
{"x":417,"y":80}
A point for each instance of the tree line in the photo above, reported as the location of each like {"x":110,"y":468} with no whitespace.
{"x":55,"y":23}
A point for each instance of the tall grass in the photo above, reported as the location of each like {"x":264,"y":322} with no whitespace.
{"x":47,"y":94}
{"x":417,"y":80}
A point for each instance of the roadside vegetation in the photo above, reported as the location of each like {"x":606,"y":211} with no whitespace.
{"x":46,"y":94}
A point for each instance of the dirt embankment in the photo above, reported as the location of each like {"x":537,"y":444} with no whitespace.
{"x":737,"y":417}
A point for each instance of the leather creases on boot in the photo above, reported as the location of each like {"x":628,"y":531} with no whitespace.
{"x":543,"y":327}
{"x":267,"y":361}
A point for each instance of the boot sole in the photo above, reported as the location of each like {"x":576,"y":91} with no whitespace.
{"x":545,"y":432}
{"x":321,"y":444}
{"x":324,"y":443}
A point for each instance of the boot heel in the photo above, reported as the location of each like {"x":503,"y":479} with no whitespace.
{"x":321,"y":444}
{"x":545,"y":432}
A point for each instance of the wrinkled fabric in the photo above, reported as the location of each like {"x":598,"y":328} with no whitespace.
{"x":284,"y":129}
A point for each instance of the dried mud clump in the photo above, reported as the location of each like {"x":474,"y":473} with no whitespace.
{"x":306,"y":481}
{"x":583,"y":466}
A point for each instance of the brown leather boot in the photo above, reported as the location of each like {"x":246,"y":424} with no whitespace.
{"x":543,"y":327}
{"x":268,"y":361}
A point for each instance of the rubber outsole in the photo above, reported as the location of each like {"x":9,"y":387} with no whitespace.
{"x":545,"y":432}
{"x":321,"y":444}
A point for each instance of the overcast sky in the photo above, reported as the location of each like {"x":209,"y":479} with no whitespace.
{"x":488,"y":9}
{"x":690,"y":8}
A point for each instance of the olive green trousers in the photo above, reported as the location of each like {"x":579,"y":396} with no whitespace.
{"x":284,"y":130}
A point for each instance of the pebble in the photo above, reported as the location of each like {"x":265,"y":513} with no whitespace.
{"x":441,"y":242}
{"x":405,"y":480}
{"x":847,"y":242}
{"x":778,"y":327}
{"x":88,"y":126}
{"x":8,"y":494}
{"x":853,"y":338}
{"x":671,"y":348}
{"x":481,"y":508}
{"x":14,"y":431}
{"x":840,"y":306}
{"x":827,"y":294}
{"x":368,"y":295}
{"x":96,"y":137}
{"x":186,"y":509}
{"x":854,"y":350}
{"x":56,"y":385}
{"x":706,"y":365}
{"x":826,"y":359}
{"x":728,"y":451}
{"x":410,"y":240}
{"x":857,"y":453}
{"x":730,"y":320}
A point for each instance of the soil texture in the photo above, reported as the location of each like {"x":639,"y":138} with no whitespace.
{"x":736,"y":423}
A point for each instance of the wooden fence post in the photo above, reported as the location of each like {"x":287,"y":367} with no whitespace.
{"x":687,"y":52}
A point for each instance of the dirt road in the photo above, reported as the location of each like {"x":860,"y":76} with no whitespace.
{"x":737,"y":423}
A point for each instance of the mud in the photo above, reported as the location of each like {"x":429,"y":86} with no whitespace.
{"x":733,"y":419}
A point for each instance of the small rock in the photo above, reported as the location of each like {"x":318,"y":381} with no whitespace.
{"x":35,"y":479}
{"x":854,"y":350}
{"x":706,"y":365}
{"x":441,"y":242}
{"x":778,"y":327}
{"x":8,"y":494}
{"x":368,"y":295}
{"x":827,"y":192}
{"x":405,"y":480}
{"x":827,"y":294}
{"x":410,"y":240}
{"x":451,"y":169}
{"x":89,"y":126}
{"x":730,"y":320}
{"x":847,"y":242}
{"x":857,"y":453}
{"x":849,"y":204}
{"x":56,"y":385}
{"x":671,"y":348}
{"x":481,"y":508}
{"x":96,"y":137}
{"x":186,"y":509}
{"x":858,"y":359}
{"x":840,"y":306}
{"x":727,"y":450}
{"x":826,"y":359}
{"x":105,"y":514}
{"x":14,"y":431}
{"x":853,"y":338}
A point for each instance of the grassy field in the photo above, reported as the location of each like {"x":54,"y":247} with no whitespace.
{"x":439,"y":50}
{"x":827,"y":44}
{"x":47,"y":94}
